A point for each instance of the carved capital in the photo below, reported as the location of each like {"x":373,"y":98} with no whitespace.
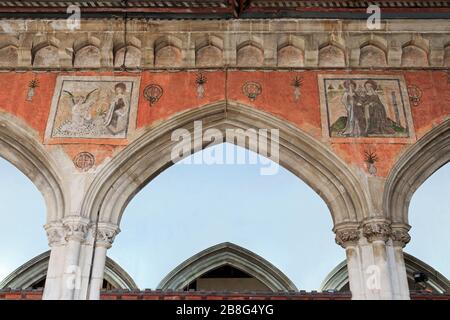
{"x":347,"y":234}
{"x":400,"y":235}
{"x":377,"y":230}
{"x":105,"y":234}
{"x":347,"y":237}
{"x":76,"y":228}
{"x":55,"y":233}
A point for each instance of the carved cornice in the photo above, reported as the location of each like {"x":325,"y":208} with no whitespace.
{"x":377,"y":230}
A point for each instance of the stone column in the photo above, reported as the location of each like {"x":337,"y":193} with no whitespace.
{"x":379,"y":274}
{"x":104,"y":238}
{"x":75,"y":230}
{"x":347,"y":237}
{"x":400,"y":238}
{"x":56,"y":241}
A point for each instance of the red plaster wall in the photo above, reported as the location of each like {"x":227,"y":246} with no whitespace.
{"x":276,"y":98}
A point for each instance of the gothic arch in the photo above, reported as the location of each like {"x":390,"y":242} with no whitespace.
{"x":150,"y":154}
{"x":168,"y":52}
{"x":416,"y":164}
{"x":34,"y":271}
{"x":332,"y":54}
{"x":373,"y":53}
{"x":249,"y":53}
{"x":45,"y":53}
{"x":338,"y":279}
{"x":87,"y":53}
{"x":19,"y":145}
{"x":231,"y":255}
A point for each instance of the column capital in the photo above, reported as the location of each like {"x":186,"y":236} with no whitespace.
{"x":55,"y":233}
{"x":347,"y":234}
{"x":378,"y":229}
{"x":76,"y":228}
{"x":400,"y":235}
{"x":105,"y":234}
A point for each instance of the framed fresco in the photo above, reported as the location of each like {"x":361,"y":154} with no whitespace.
{"x":86,"y":107}
{"x":365,"y":106}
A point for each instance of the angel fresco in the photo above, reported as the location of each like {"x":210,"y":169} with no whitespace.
{"x":80,"y":107}
{"x":93,"y":107}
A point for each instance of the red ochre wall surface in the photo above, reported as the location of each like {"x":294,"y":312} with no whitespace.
{"x":276,"y":98}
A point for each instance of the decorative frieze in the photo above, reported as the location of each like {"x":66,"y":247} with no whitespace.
{"x":206,"y":44}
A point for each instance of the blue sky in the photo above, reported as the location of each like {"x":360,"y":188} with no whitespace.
{"x":188,"y":208}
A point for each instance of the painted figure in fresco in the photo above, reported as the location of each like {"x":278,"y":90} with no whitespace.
{"x":81,"y":107}
{"x":116,"y":118}
{"x":374,"y":110}
{"x":355,"y":125}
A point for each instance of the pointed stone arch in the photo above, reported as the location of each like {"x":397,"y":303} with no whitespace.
{"x":338,"y":278}
{"x":227,"y":254}
{"x":34,"y":272}
{"x":332,"y":54}
{"x":45,"y":52}
{"x":141,"y":161}
{"x":87,"y":52}
{"x":415,"y":166}
{"x":19,"y":145}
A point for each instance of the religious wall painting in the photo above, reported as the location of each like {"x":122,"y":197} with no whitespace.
{"x":365,"y":106}
{"x":93,"y":107}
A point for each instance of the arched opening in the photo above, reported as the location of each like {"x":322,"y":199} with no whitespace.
{"x":429,"y":217}
{"x":338,"y":280}
{"x":32,"y":274}
{"x":22,"y":216}
{"x":189,"y":207}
